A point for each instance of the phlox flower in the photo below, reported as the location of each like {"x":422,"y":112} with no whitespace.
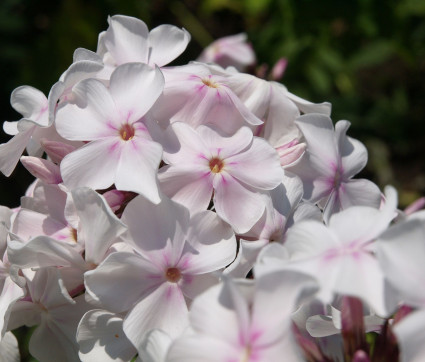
{"x":237,"y":168}
{"x":128,"y":40}
{"x":244,"y":320}
{"x":331,"y":160}
{"x":33,"y":105}
{"x":56,"y":315}
{"x":341,"y":255}
{"x":196,"y":96}
{"x":174,"y":260}
{"x":120,"y":149}
{"x":228,"y":51}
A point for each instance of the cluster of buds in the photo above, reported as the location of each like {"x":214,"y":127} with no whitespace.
{"x":199,"y":213}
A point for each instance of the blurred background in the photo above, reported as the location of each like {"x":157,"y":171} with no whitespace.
{"x":366,"y":57}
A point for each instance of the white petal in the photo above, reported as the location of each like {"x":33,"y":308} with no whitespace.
{"x":164,"y":308}
{"x":137,"y":167}
{"x":11,"y":151}
{"x":93,"y":165}
{"x":190,"y":187}
{"x":126,"y":39}
{"x":98,"y":119}
{"x":250,"y":166}
{"x":99,"y":227}
{"x":237,"y":204}
{"x":135,"y":88}
{"x":121,"y":280}
{"x":167,"y":43}
{"x":214,"y":242}
{"x":101,"y":338}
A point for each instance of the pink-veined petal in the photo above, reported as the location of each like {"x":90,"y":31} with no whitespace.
{"x":237,"y":204}
{"x":137,"y":167}
{"x":250,"y":166}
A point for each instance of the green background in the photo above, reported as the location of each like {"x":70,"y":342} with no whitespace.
{"x":367,"y":57}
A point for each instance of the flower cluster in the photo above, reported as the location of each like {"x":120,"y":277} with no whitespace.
{"x":199,"y":213}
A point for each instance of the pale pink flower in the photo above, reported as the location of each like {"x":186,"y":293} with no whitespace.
{"x":237,"y":168}
{"x":120,"y":150}
{"x":228,"y":51}
{"x":175,"y":259}
{"x":327,"y":168}
{"x":128,"y":40}
{"x":245,"y":321}
{"x":340,"y":255}
{"x":196,"y":96}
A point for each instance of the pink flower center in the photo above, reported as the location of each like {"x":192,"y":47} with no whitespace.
{"x":173,"y":275}
{"x":127,"y":132}
{"x":216,"y":165}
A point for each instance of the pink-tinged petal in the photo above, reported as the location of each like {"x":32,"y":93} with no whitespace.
{"x":277,"y":296}
{"x":167,"y":42}
{"x":316,"y":180}
{"x":101,"y":338}
{"x":42,"y":252}
{"x":214,"y":242}
{"x":309,"y":238}
{"x":45,"y":170}
{"x":358,"y":192}
{"x":193,"y":285}
{"x":56,"y":150}
{"x":411,"y":338}
{"x":11,"y":151}
{"x":190,"y":187}
{"x":28,"y":224}
{"x":225,"y":147}
{"x":289,"y":156}
{"x":237,"y":204}
{"x":258,"y":167}
{"x":360,"y":275}
{"x":401,"y":253}
{"x":164,"y":308}
{"x":152,"y":226}
{"x":98,"y":119}
{"x":135,"y":87}
{"x":203,"y":348}
{"x":363,"y":223}
{"x":99,"y":227}
{"x":127,"y":39}
{"x":220,"y":303}
{"x":137,"y":167}
{"x":93,"y":165}
{"x":189,"y":146}
{"x":279,"y":125}
{"x":319,"y":133}
{"x":353,"y":153}
{"x":31,"y":103}
{"x":121,"y":274}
